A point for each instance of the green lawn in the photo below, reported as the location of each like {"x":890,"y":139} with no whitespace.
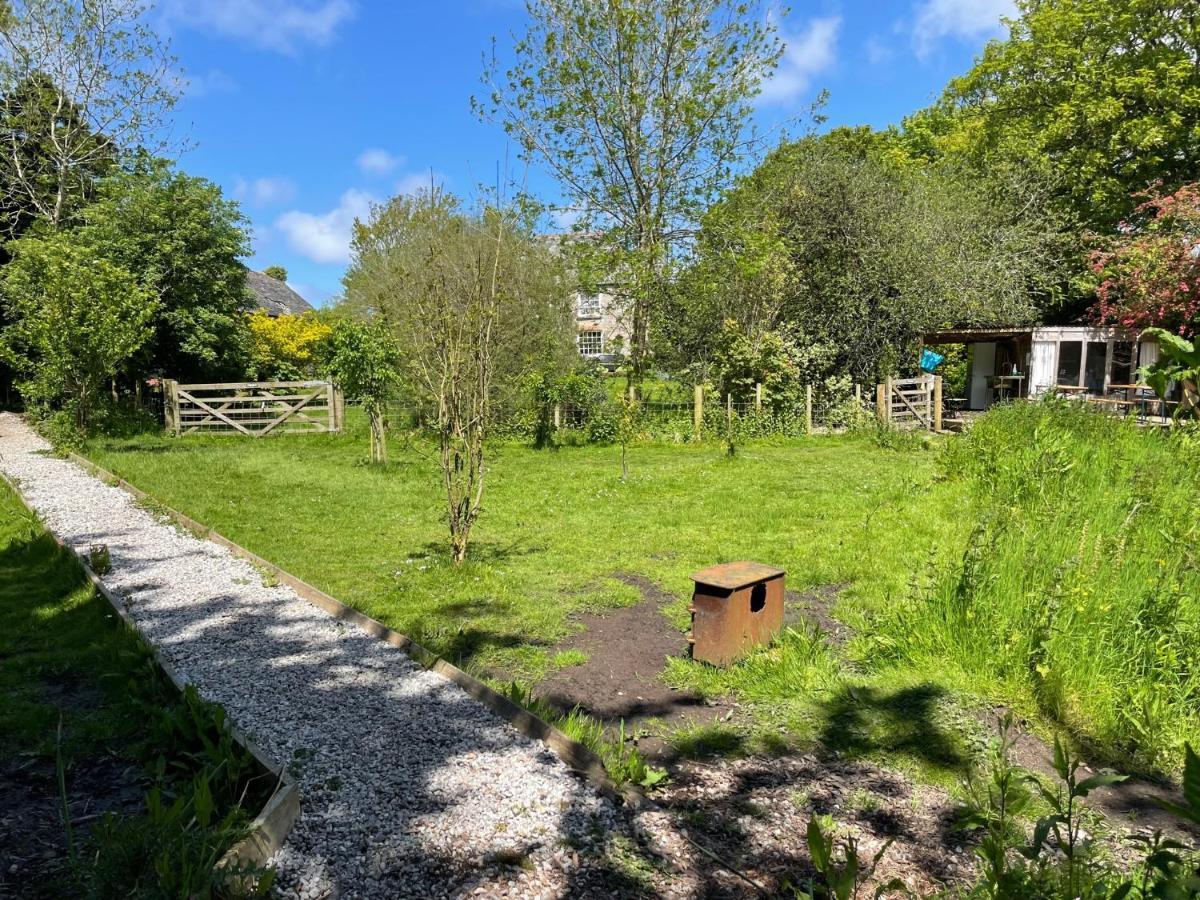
{"x":557,"y":526}
{"x":1042,"y":561}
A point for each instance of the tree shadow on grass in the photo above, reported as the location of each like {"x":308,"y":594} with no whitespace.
{"x":864,"y":721}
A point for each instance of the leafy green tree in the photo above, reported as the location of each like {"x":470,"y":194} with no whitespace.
{"x":363,"y":359}
{"x":640,"y":110}
{"x":31,"y":115}
{"x":852,"y":251}
{"x":76,"y":317}
{"x":185,"y":241}
{"x":1105,"y":93}
{"x":279,"y":273}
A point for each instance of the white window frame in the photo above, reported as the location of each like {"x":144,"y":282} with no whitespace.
{"x":599,"y":342}
{"x":588,"y":306}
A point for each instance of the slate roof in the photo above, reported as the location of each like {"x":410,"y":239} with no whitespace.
{"x":273,"y":296}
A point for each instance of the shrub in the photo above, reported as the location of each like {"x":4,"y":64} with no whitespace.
{"x":285,"y":348}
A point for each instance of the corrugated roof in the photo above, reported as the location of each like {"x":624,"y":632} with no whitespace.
{"x":274,"y":296}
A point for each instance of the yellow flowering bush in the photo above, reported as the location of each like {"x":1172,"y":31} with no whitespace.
{"x":285,"y":348}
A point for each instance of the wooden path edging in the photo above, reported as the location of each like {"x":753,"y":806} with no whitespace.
{"x":574,"y":754}
{"x":270,"y":827}
{"x":577,"y":757}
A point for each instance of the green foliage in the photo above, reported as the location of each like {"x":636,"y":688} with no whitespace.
{"x":1178,"y":361}
{"x":76,"y":319}
{"x":851,"y":253}
{"x":640,"y":132}
{"x":1075,"y":590}
{"x":1104,"y":93}
{"x":1061,"y":860}
{"x":621,"y":758}
{"x":184,"y":241}
{"x":840,"y":876}
{"x":363,"y":359}
{"x":202,"y":789}
{"x":29,"y":113}
{"x":279,"y":273}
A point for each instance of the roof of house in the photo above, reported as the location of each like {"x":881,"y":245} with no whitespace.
{"x":274,"y":296}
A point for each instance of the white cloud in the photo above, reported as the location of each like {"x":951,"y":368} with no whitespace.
{"x":968,"y":19}
{"x":280,"y":25}
{"x":325,"y":237}
{"x":807,"y":54}
{"x":264,"y":191}
{"x":377,"y":161}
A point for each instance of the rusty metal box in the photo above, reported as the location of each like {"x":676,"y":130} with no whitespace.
{"x":735,"y":606}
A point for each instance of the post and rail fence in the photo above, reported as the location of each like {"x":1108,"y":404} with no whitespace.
{"x":253,"y":408}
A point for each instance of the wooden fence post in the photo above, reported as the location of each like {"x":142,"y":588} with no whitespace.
{"x":758,"y":397}
{"x":857,"y":396}
{"x":937,"y":404}
{"x":698,"y":412}
{"x":171,"y":405}
{"x":808,"y":420}
{"x":557,"y":416}
{"x":729,"y":410}
{"x":880,"y":399}
{"x":887,"y":406}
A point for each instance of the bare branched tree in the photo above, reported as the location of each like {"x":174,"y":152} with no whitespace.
{"x":461,"y":292}
{"x":80,"y":82}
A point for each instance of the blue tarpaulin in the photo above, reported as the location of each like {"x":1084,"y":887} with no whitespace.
{"x":930,"y":360}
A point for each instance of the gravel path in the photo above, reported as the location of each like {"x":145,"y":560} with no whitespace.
{"x":408,"y":786}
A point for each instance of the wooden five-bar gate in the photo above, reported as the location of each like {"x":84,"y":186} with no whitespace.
{"x":910,"y":402}
{"x":253,"y":408}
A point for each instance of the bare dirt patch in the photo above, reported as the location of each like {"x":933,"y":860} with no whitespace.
{"x":627,"y":649}
{"x":31,"y":825}
{"x":756,"y":811}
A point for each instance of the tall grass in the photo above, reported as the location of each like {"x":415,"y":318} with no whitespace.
{"x":1079,"y":590}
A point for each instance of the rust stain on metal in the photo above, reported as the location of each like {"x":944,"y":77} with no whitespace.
{"x":735,"y":607}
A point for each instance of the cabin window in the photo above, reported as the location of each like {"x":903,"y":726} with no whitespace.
{"x":1095,"y":366}
{"x":1122,"y":363}
{"x":1070,"y":360}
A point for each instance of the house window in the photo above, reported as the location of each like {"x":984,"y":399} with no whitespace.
{"x":589,"y":306}
{"x":591,"y":343}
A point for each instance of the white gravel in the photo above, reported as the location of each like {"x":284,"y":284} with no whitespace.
{"x":408,"y":786}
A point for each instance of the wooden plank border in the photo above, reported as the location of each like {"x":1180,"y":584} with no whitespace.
{"x":271,"y":826}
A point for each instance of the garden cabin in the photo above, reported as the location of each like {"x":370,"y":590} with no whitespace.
{"x":1005,"y":363}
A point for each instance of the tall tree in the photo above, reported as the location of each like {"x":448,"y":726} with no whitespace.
{"x":854,"y":251}
{"x":185,"y":241}
{"x":1107,"y":92}
{"x":640,"y":109}
{"x":83,"y":80}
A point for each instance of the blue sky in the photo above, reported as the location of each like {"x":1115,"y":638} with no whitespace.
{"x":306,"y":111}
